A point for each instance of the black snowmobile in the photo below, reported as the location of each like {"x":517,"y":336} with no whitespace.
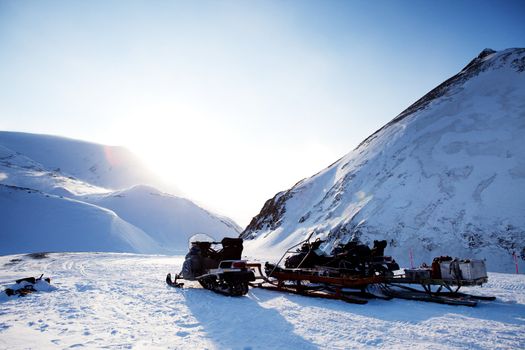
{"x":220,"y":270}
{"x":351,"y":258}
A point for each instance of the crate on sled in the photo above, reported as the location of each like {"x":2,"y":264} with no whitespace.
{"x":469,"y":270}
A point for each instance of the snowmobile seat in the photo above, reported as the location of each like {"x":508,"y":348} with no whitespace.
{"x":379,"y":248}
{"x":231,"y":249}
{"x":227,"y":241}
{"x":205,"y":249}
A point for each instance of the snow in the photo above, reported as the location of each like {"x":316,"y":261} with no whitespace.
{"x":34,"y":221}
{"x":101,"y":165}
{"x":152,"y":211}
{"x":446,"y":178}
{"x":47,"y":202}
{"x":110,"y":300}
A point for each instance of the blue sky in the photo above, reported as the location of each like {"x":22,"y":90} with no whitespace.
{"x":233,"y":101}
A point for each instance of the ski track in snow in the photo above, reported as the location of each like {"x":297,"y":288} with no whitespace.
{"x":120,"y":301}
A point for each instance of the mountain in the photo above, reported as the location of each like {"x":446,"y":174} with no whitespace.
{"x":34,"y":221}
{"x":59,"y":194}
{"x":444,"y":177}
{"x":100,"y":165}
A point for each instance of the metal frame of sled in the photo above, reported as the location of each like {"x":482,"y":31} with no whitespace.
{"x":442,"y":291}
{"x":309,"y":282}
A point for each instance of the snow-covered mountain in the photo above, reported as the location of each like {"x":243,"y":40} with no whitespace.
{"x":100,"y":165}
{"x":445,"y":177}
{"x":58,"y":194}
{"x":166,"y":218}
{"x":33,"y":221}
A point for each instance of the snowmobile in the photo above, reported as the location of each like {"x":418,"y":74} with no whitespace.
{"x":351,"y":258}
{"x":218,"y":269}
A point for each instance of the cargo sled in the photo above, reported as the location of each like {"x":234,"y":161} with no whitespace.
{"x":355,"y":273}
{"x":345,"y":274}
{"x":217,"y":266}
{"x":440,"y":283}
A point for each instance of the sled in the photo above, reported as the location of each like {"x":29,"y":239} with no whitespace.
{"x":437,"y":290}
{"x":344,"y":276}
{"x":361,"y":273}
{"x":316,"y":283}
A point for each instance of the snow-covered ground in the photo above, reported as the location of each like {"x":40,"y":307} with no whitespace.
{"x":115,"y":301}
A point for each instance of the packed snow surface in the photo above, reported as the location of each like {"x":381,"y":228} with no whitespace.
{"x":120,"y":301}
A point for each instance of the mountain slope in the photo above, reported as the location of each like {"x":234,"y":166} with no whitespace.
{"x":100,"y":165}
{"x":34,"y":221}
{"x":44,"y":207}
{"x":168,"y":219}
{"x":446,"y":176}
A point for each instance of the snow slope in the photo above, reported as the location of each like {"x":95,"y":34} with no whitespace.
{"x":168,"y":219}
{"x":43,"y":207}
{"x":120,"y":301}
{"x":34,"y":221}
{"x":445,"y":177}
{"x":100,"y":165}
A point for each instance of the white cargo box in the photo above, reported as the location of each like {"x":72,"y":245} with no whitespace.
{"x":445,"y":270}
{"x":470,"y":270}
{"x":473,"y":270}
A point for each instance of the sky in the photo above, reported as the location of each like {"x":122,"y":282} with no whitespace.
{"x":233,"y":101}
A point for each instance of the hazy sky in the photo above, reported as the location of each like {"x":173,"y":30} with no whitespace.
{"x":234,"y":101}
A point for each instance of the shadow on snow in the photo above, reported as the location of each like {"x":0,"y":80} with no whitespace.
{"x":242,"y":323}
{"x":398,"y":310}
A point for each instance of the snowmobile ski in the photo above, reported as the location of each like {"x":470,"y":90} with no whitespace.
{"x":173,"y":284}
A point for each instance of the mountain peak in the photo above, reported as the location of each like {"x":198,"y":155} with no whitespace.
{"x":486,"y":52}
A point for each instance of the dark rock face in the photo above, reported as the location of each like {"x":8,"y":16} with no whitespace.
{"x":270,"y":215}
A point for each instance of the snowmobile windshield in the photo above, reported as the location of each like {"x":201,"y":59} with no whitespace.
{"x":325,"y":248}
{"x":200,"y":237}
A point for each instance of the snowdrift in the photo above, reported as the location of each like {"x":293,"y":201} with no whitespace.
{"x":34,"y":221}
